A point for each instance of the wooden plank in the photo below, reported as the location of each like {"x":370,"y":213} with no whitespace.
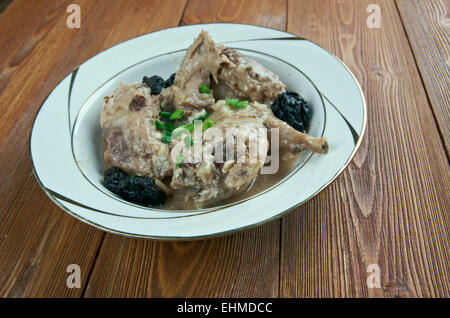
{"x":428,"y":29}
{"x":270,"y":13}
{"x":37,"y":240}
{"x":242,"y":265}
{"x":36,"y":72}
{"x":389,"y":207}
{"x":17,"y":43}
{"x":27,"y":217}
{"x":37,"y":244}
{"x":386,"y":208}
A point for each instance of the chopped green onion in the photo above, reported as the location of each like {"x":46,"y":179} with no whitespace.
{"x":179,"y":160}
{"x":188,"y":142}
{"x":232,"y":102}
{"x":159,"y":125}
{"x":242,"y":104}
{"x":178,"y":114}
{"x":202,"y":117}
{"x":177,"y":131}
{"x":204,"y":89}
{"x":190,"y":127}
{"x":169,"y":126}
{"x":165,"y":114}
{"x":207,"y":124}
{"x":167,"y":137}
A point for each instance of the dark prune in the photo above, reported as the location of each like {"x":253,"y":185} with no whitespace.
{"x":169,"y":82}
{"x":155,"y":83}
{"x":141,"y":189}
{"x":292,"y":109}
{"x":112,"y":178}
{"x":137,"y":189}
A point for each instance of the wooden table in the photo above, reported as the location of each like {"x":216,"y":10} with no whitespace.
{"x":390,"y":207}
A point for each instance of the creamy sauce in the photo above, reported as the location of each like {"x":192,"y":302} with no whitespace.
{"x":260,"y":184}
{"x":287,"y":163}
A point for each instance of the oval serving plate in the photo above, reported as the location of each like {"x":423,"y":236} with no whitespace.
{"x":65,"y":141}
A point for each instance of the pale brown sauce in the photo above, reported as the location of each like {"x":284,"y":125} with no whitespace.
{"x":260,"y":184}
{"x":177,"y":201}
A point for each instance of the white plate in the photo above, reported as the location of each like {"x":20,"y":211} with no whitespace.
{"x":65,"y":141}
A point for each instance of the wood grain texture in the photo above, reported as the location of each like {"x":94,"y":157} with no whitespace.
{"x":28,"y":235}
{"x":38,"y":242}
{"x":243,"y":265}
{"x":57,"y":240}
{"x":427,"y":24}
{"x":18,"y":42}
{"x":388,"y":207}
{"x":270,"y":13}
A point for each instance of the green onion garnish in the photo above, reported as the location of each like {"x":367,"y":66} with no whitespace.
{"x":159,"y":125}
{"x":232,"y":102}
{"x":190,"y":127}
{"x":202,"y":117}
{"x":178,"y":114}
{"x":179,"y":160}
{"x":207,"y":124}
{"x":165,"y":114}
{"x":204,"y":89}
{"x":177,"y":131}
{"x":242,"y":104}
{"x":167,"y":137}
{"x":169,"y":126}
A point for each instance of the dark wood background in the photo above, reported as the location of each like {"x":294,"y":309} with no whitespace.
{"x":390,"y":207}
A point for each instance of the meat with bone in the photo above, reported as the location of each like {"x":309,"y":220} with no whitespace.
{"x":202,"y":61}
{"x":236,"y":75}
{"x":232,"y":73}
{"x":132,"y":141}
{"x":289,"y":138}
{"x":231,"y":160}
{"x":248,"y":80}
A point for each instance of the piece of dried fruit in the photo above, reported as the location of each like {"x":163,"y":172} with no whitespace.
{"x":137,"y":189}
{"x":293,"y":109}
{"x":157,"y":83}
